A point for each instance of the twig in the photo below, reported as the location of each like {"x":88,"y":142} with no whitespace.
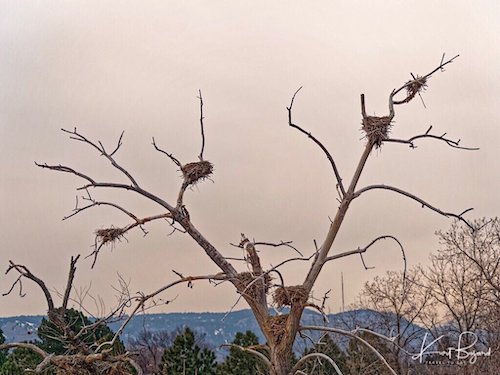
{"x":201,"y":124}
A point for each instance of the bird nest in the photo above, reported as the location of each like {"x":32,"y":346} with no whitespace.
{"x":277,"y":325}
{"x":290,"y":295}
{"x":254,"y":288}
{"x":415,"y":86}
{"x":109,"y":235}
{"x":377,"y":128}
{"x":196,"y":171}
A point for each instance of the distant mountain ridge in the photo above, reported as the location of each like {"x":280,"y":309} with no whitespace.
{"x":218,"y":328}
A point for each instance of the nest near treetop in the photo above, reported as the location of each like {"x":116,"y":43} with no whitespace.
{"x":277,"y":325}
{"x":109,"y":235}
{"x":196,"y":171}
{"x":255,"y":288}
{"x":413,"y":87}
{"x":290,"y":295}
{"x":377,"y":128}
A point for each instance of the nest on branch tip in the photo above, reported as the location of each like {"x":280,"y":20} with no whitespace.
{"x":197,"y":171}
{"x":415,"y":86}
{"x":290,"y":295}
{"x":109,"y":235}
{"x":377,"y":128}
{"x":254,"y":290}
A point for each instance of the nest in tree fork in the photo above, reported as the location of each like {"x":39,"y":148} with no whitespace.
{"x":277,"y":325}
{"x":108,"y":235}
{"x":377,"y":128}
{"x":290,"y":295}
{"x":255,"y":288}
{"x":197,"y":171}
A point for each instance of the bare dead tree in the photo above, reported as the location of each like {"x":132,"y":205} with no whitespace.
{"x":398,"y":308}
{"x":255,"y":284}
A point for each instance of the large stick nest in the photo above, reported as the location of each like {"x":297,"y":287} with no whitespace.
{"x":377,"y":128}
{"x":254,"y":289}
{"x":290,"y":295}
{"x":197,"y":171}
{"x":277,"y":325}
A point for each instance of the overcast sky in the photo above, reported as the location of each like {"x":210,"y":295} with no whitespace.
{"x":108,"y":66}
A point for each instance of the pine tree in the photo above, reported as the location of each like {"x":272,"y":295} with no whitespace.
{"x":185,"y":357}
{"x":3,"y":353}
{"x":50,"y":334}
{"x":361,"y":360}
{"x":318,"y":366}
{"x":239,"y":362}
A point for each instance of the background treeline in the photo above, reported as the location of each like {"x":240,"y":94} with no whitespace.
{"x":458,"y":292}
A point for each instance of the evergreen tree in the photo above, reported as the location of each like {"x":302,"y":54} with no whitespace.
{"x":50,"y":334}
{"x":185,"y":357}
{"x":361,"y":360}
{"x":19,"y":360}
{"x":240,"y":362}
{"x":318,"y":366}
{"x":3,"y":353}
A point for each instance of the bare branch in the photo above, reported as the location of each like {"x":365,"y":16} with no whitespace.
{"x":79,"y":137}
{"x":415,"y":85}
{"x":25,"y":272}
{"x":25,"y":345}
{"x":415,"y":198}
{"x":176,"y":162}
{"x":354,"y":336}
{"x":449,"y":142}
{"x":201,"y":124}
{"x":315,"y":140}
{"x":259,"y":355}
{"x":281,"y":243}
{"x":69,"y":284}
{"x":307,"y":357}
{"x":142,"y":299}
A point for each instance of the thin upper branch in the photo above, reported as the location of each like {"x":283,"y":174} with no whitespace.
{"x":448,"y":141}
{"x":315,"y":140}
{"x":95,"y":184}
{"x":202,"y":127}
{"x":415,"y":198}
{"x":309,"y":356}
{"x":142,"y":299}
{"x":79,"y":137}
{"x":174,"y":160}
{"x":25,"y":272}
{"x":442,"y":64}
{"x":364,"y":249}
{"x":259,"y":355}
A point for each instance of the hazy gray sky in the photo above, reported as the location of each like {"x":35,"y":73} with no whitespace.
{"x":137,"y":66}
